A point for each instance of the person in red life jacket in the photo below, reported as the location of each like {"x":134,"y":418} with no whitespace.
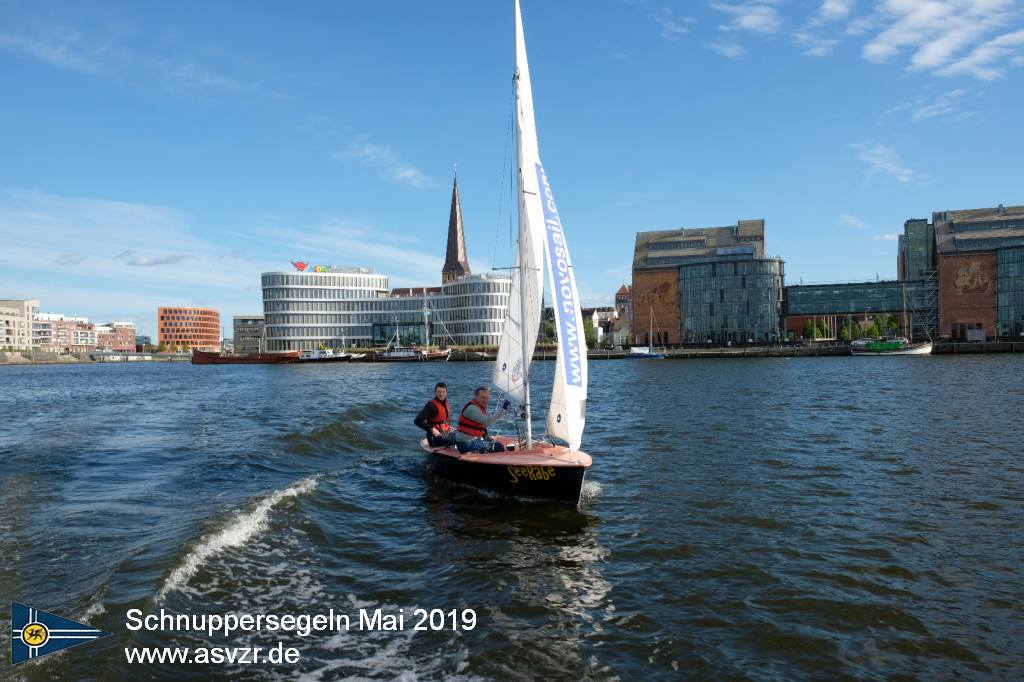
{"x":471,"y":432}
{"x":434,"y":417}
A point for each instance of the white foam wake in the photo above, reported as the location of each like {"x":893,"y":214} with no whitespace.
{"x":242,"y":527}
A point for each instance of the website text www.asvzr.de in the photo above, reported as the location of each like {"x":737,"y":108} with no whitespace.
{"x":230,"y":655}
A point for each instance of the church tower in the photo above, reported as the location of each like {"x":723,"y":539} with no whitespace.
{"x":456,"y":263}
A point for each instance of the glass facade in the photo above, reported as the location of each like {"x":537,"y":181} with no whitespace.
{"x":731,"y":300}
{"x":916,"y":247}
{"x":863,"y":298}
{"x":304,"y":311}
{"x":1010,"y":288}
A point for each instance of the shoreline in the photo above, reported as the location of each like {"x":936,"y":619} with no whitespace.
{"x":988,"y":348}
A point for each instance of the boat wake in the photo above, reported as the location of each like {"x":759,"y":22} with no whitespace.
{"x":590,"y":491}
{"x":237,"y":532}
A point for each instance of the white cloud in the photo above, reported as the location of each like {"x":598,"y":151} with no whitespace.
{"x":758,"y":16}
{"x":984,"y":61}
{"x":942,"y":105}
{"x":937,"y":33}
{"x":853,"y":221}
{"x":726,"y":48}
{"x":673,"y":28}
{"x":61,"y":248}
{"x":63,"y":49}
{"x":390,"y":165}
{"x":891,"y":237}
{"x":832,"y":10}
{"x":882,"y":160}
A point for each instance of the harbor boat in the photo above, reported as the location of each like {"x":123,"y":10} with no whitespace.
{"x":410,"y":354}
{"x":202,"y":357}
{"x":552,"y":467}
{"x":322,"y":355}
{"x":647,"y":352}
{"x":889,"y":346}
{"x":396,"y":352}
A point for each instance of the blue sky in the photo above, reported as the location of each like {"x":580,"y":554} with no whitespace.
{"x":168,"y":153}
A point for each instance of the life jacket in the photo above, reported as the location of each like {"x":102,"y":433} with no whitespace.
{"x":440,"y":420}
{"x":469,"y":426}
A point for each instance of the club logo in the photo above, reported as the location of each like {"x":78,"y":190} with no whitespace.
{"x":35,"y":633}
{"x":300,"y":266}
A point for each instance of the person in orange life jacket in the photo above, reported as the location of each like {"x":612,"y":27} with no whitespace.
{"x":434,"y":416}
{"x":471,"y":432}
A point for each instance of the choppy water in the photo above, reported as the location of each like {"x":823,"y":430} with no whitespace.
{"x":774,"y":519}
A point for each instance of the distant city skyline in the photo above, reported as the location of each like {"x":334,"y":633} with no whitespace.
{"x":153,"y":160}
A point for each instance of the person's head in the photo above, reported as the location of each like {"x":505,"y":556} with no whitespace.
{"x":440,"y":390}
{"x":482,"y":394}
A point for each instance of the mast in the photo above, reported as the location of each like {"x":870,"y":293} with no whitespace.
{"x":523,"y":270}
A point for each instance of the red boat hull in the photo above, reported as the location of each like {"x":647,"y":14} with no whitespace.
{"x":202,"y":357}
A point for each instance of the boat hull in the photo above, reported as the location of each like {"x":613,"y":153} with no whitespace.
{"x":546,"y":472}
{"x":420,"y":357}
{"x":916,"y":349}
{"x":200,"y":357}
{"x":337,"y":358}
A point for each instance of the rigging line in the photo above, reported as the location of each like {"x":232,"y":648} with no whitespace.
{"x":501,"y":180}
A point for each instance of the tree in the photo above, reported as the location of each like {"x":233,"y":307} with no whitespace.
{"x":873,"y":331}
{"x":822,"y":329}
{"x":808,"y":330}
{"x":844,"y":333}
{"x":589,"y":333}
{"x":549,"y":330}
{"x":161,"y":348}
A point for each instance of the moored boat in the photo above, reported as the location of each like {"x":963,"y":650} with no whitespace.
{"x":202,"y":357}
{"x":890,"y":346}
{"x":322,"y":355}
{"x":409,"y":354}
{"x":540,"y":468}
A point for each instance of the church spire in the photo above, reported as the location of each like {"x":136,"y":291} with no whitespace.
{"x":456,"y":264}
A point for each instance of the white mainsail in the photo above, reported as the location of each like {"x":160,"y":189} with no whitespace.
{"x":541,"y":227}
{"x":511,"y":371}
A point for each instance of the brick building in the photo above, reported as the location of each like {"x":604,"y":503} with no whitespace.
{"x":191,"y":327}
{"x":980,"y":254}
{"x":706,"y":285}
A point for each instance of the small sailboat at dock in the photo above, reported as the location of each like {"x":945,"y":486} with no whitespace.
{"x":533,"y":468}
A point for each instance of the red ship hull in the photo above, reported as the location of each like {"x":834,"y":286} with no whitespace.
{"x":202,"y":357}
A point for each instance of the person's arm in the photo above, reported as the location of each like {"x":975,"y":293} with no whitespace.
{"x":429,"y":411}
{"x":477,"y":415}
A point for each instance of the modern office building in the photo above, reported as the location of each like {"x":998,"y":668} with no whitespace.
{"x":858,"y":302}
{"x":188,"y":327}
{"x":16,"y":323}
{"x":344,"y":306}
{"x":706,"y":285}
{"x":248,"y":334}
{"x":980,"y":282}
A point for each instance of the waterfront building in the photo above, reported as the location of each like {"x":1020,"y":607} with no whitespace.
{"x":344,"y":306}
{"x":141,"y":341}
{"x":350,"y":306}
{"x":16,"y":323}
{"x":248,"y":334}
{"x":706,"y":285}
{"x":980,"y":279}
{"x":182,"y":326}
{"x":838,"y":304}
{"x":621,"y":328}
{"x":117,"y":336}
{"x":70,"y":334}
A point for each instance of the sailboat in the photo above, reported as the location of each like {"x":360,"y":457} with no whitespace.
{"x":893,"y":346}
{"x":533,"y":467}
{"x":646,"y":352}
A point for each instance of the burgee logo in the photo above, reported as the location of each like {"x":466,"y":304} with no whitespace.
{"x":35,"y":633}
